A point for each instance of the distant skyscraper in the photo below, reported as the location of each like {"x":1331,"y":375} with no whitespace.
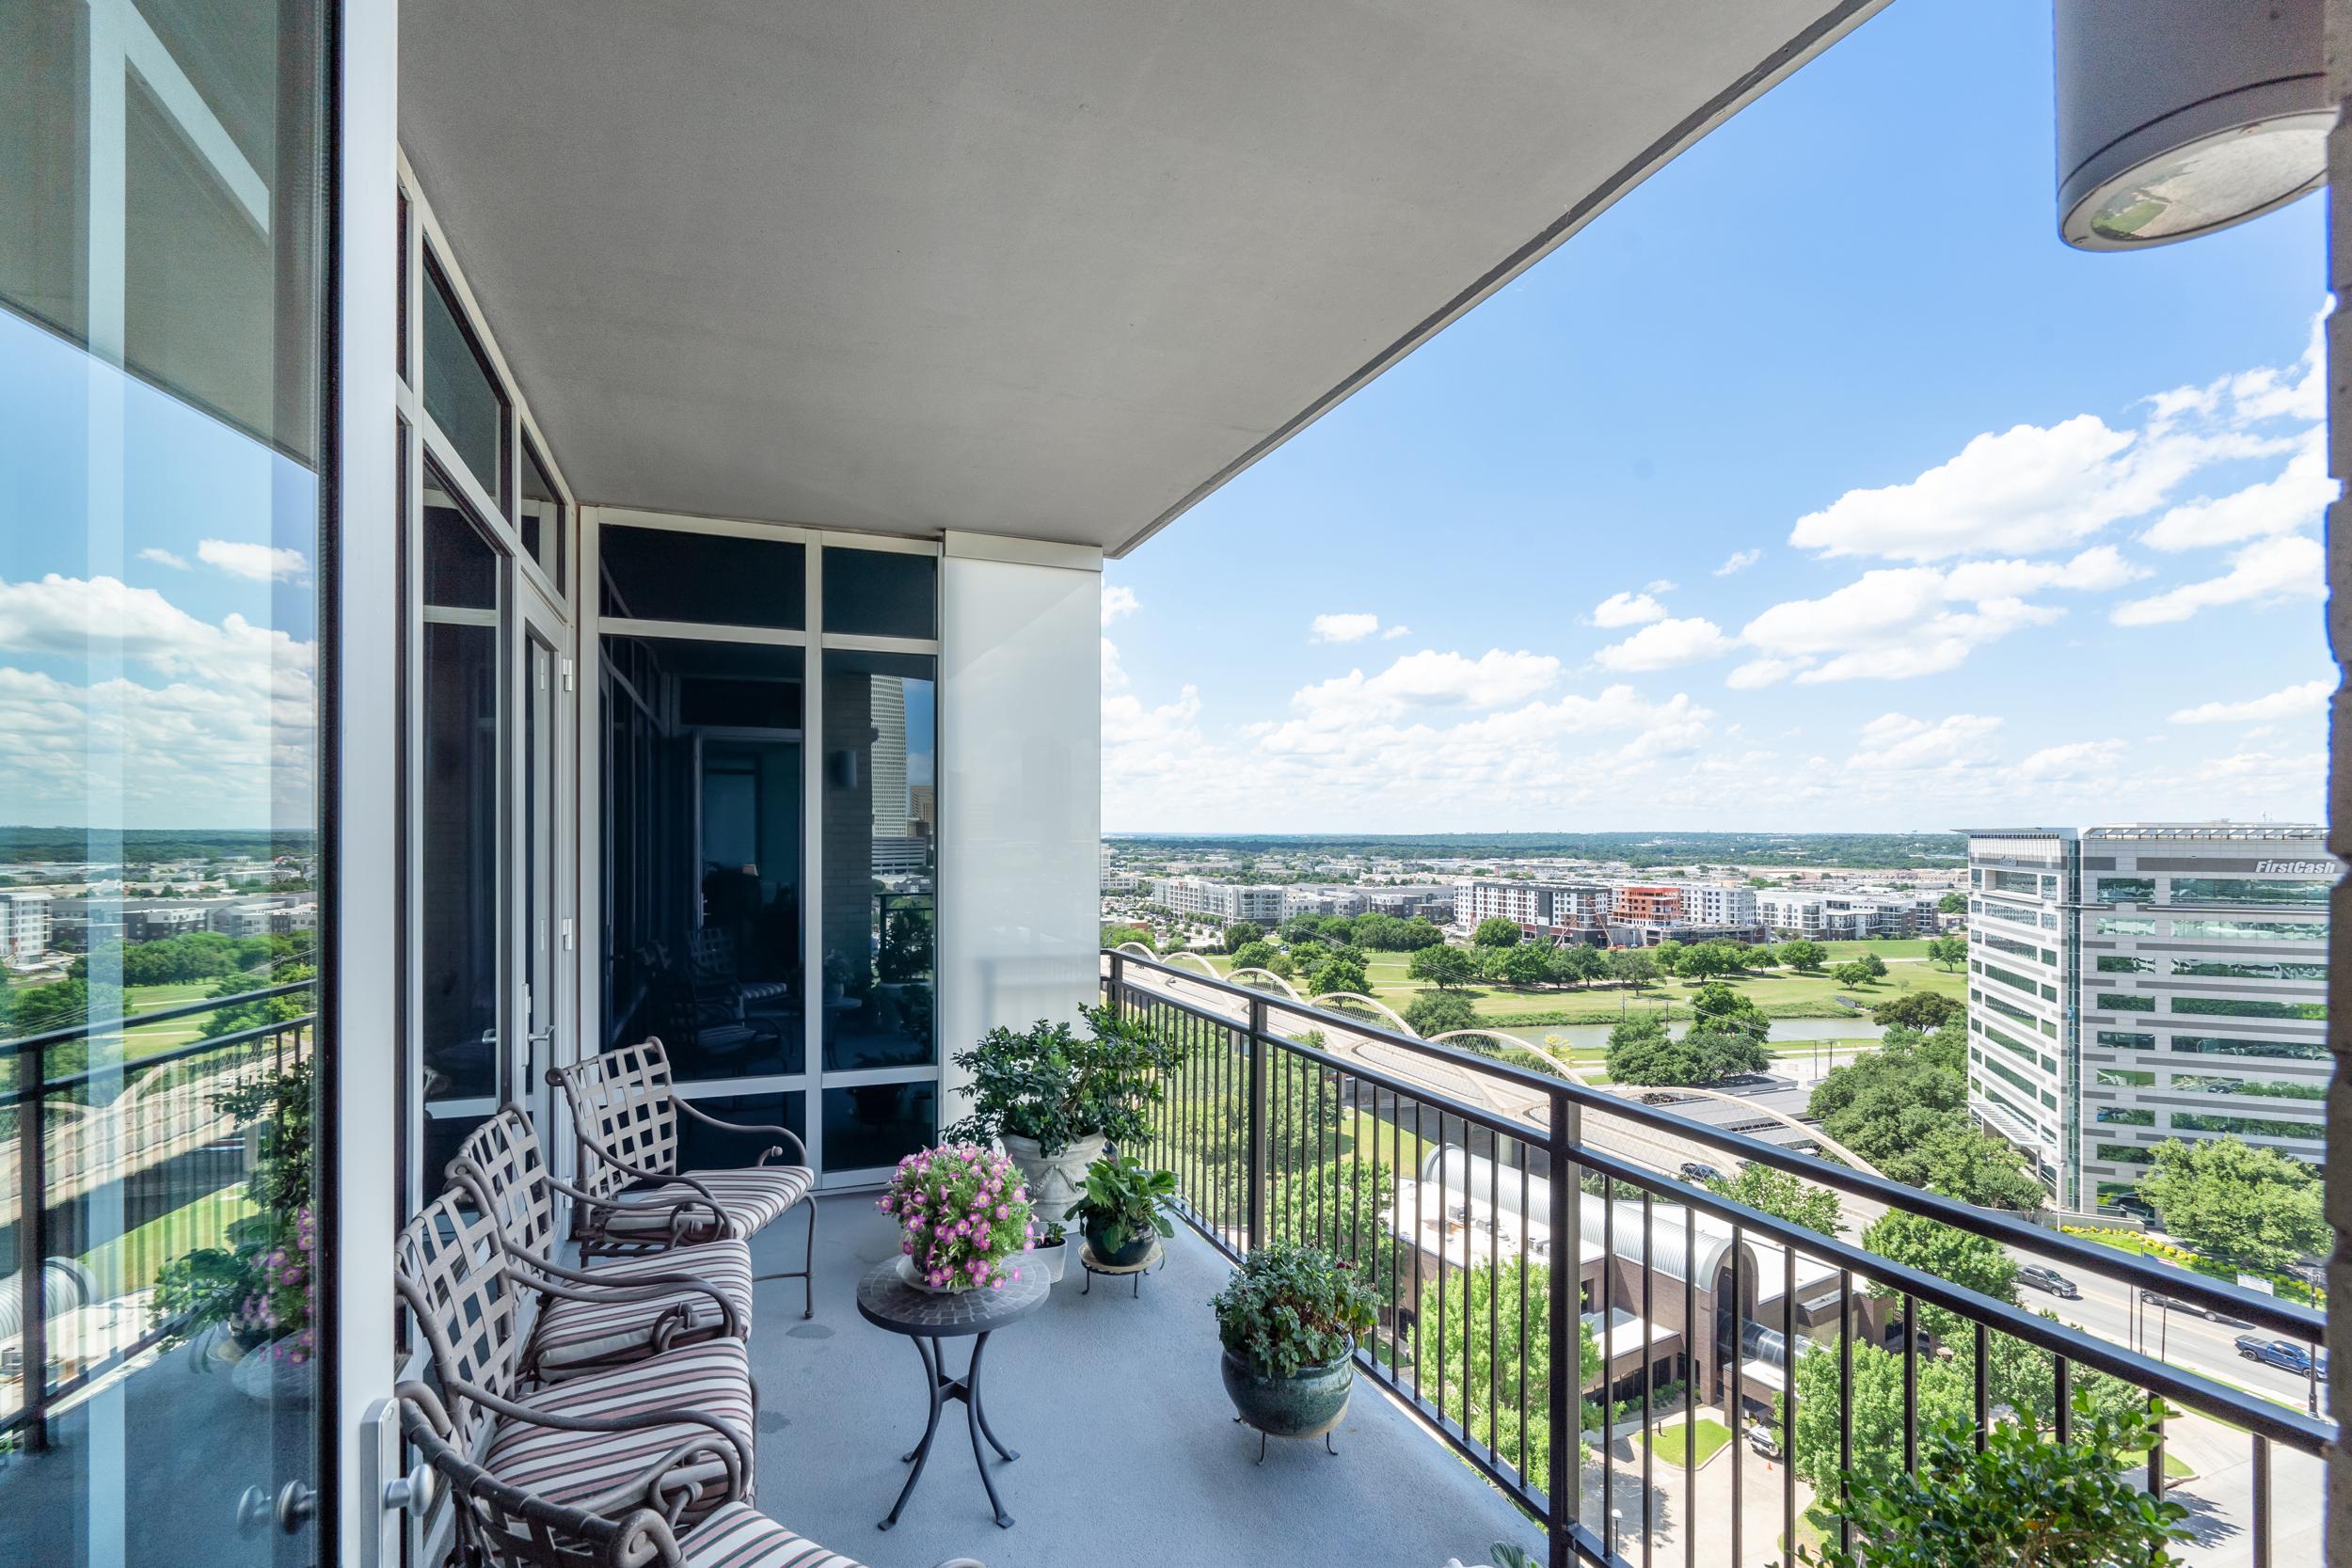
{"x":2134,"y":984}
{"x":889,"y":761}
{"x":923,"y":809}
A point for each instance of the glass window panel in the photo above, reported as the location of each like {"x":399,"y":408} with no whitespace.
{"x":2122,"y":1077}
{"x":2127,"y":890}
{"x":882,"y":592}
{"x":2219,"y":969}
{"x":2024,"y":882}
{"x":461,"y":564}
{"x":460,"y":392}
{"x":2124,"y":1115}
{"x":874,"y":1126}
{"x":703,"y":1147}
{"x":881,"y":735}
{"x":2212,"y":1045}
{"x":702,"y":828}
{"x":2125,"y":1154}
{"x":2222,"y":929}
{"x":2247,"y":1006}
{"x":2124,"y":1001}
{"x":176,"y":462}
{"x":2267,"y":1089}
{"x":2249,"y":890}
{"x":545,"y":525}
{"x":2123,"y":1041}
{"x":2118,"y":925}
{"x":2259,"y":1127}
{"x":2126,"y":963}
{"x":458,"y":824}
{"x":659,"y":574}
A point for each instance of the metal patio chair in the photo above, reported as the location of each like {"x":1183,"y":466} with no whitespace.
{"x":618,"y":1310}
{"x":626,"y":1113}
{"x":632,"y":1526}
{"x":685,"y":1416}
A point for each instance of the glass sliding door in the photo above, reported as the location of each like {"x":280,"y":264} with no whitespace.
{"x":162,"y":516}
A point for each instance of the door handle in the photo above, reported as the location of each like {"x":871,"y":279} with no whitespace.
{"x":541,"y":1037}
{"x":295,"y":1506}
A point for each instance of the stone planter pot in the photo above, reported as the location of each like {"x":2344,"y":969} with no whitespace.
{"x":1055,"y":1182}
{"x":1308,"y":1405}
{"x":1137,"y":1250}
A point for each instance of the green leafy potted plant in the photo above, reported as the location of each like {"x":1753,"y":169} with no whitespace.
{"x":1123,"y":1209}
{"x":1290,"y":1319}
{"x":2027,"y":1499}
{"x":1053,"y":1098}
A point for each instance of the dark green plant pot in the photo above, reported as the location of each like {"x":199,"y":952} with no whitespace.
{"x":1135,"y":1251}
{"x":1307,"y":1405}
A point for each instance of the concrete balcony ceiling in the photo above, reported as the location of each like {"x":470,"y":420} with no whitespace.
{"x":1058,"y":268}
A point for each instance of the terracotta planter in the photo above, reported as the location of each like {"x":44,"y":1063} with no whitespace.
{"x":1055,"y":1182}
{"x":1307,"y":1405}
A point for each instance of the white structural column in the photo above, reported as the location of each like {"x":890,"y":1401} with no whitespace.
{"x":1019,"y":788}
{"x":2338,"y":1536}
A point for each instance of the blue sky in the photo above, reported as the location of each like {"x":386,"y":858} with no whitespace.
{"x":159,"y":641}
{"x":1814,"y":487}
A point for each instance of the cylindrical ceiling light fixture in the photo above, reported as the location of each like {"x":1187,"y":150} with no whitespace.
{"x":2176,"y":118}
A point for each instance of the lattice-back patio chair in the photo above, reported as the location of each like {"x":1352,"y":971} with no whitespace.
{"x":626,"y":1115}
{"x":619,"y":1310}
{"x":583,"y":1436}
{"x":501,"y":1526}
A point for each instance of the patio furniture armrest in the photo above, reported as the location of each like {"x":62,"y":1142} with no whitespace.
{"x":703,"y":1196}
{"x":707,"y":1121}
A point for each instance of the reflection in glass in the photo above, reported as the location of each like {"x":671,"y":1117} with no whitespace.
{"x":881,"y":593}
{"x":703,"y":1147}
{"x":702,"y":770}
{"x":158,"y":417}
{"x":655,"y":574}
{"x":873,"y":1126}
{"x":541,"y":517}
{"x":460,"y":392}
{"x":880,"y":859}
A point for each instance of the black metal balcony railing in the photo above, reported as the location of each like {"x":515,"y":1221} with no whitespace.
{"x":1280,"y":1132}
{"x":139,"y":1139}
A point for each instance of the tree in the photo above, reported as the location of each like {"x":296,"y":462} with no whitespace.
{"x":1633,"y":966}
{"x":1119,"y":935}
{"x":1669,"y":955}
{"x":1639,"y":1052}
{"x":1485,"y":1357}
{"x":1873,"y":965}
{"x":1851,"y":973}
{"x":1435,"y":1012}
{"x":1877,"y":1405}
{"x":1965,"y":1161}
{"x":1804,"y":957}
{"x":2252,"y":1207}
{"x":1254,"y":954}
{"x":1339,"y":969}
{"x":1785,"y":1196}
{"x":1240,"y":934}
{"x":1951,"y":952}
{"x":1496,"y":931}
{"x":1302,"y":927}
{"x":1920,"y":1010}
{"x":1717,"y":1053}
{"x":1419,"y":933}
{"x":1526,"y":964}
{"x":1442,"y":966}
{"x":1921,"y":1241}
{"x":1952,"y":903}
{"x":1283,"y":964}
{"x":1762,"y":955}
{"x":1577,"y":964}
{"x":1718,"y":1006}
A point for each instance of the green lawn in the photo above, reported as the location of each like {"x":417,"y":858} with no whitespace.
{"x":2289,"y":1288}
{"x":1781,"y":993}
{"x":132,"y":1261}
{"x":1668,"y":1442}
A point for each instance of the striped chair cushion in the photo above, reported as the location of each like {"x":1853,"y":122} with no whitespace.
{"x":573,"y":1334}
{"x":713,"y":1379}
{"x":752,"y":1199}
{"x":738,"y":1536}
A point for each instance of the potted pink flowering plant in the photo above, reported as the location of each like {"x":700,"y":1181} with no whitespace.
{"x":964,"y":1215}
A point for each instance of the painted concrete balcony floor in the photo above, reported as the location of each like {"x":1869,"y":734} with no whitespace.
{"x":1128,"y":1447}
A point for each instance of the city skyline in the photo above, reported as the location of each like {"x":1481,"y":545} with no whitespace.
{"x":1821,"y":524}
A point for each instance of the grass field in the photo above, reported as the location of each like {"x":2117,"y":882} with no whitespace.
{"x":132,"y":1261}
{"x":1668,"y":1442}
{"x":1781,"y":993}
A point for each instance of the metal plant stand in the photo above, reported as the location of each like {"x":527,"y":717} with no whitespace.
{"x":891,"y":1304}
{"x":1094,"y":1265}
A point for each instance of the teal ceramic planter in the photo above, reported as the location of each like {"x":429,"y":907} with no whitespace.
{"x":1308,"y":1405}
{"x":1135,"y":1251}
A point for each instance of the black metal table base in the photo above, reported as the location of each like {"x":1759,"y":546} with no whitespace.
{"x":944,"y":1387}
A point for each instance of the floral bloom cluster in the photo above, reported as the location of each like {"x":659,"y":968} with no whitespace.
{"x":961,"y":1211}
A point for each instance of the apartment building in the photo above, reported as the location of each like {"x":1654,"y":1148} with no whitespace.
{"x":1834,"y":916}
{"x":1546,"y":910}
{"x":1341,"y":902}
{"x":1200,"y":899}
{"x":24,"y":927}
{"x":2136,"y":983}
{"x":1640,"y":901}
{"x":1718,"y":904}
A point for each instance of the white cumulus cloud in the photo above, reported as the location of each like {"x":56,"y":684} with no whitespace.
{"x":1117,"y":601}
{"x":254,"y":563}
{"x":1665,"y":645}
{"x":2292,"y":567}
{"x":1627,"y":609}
{"x":2294,"y":498}
{"x":1345,"y":629}
{"x":2293,"y":701}
{"x":162,"y":557}
{"x":1739,"y":561}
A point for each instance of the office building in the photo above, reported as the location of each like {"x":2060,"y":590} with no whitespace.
{"x":2136,"y":983}
{"x":24,"y":927}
